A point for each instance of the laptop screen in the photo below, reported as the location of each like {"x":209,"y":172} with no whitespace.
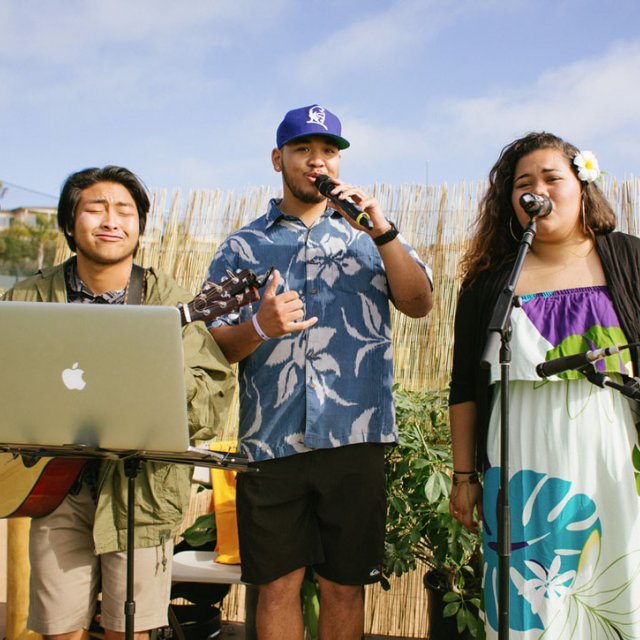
{"x":97,"y":375}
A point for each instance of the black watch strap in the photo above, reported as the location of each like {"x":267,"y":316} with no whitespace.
{"x":388,"y":236}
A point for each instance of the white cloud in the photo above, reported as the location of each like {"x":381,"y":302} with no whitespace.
{"x":60,"y":31}
{"x":590,"y":96}
{"x":97,"y":55}
{"x":592,"y":102}
{"x":372,"y":42}
{"x":375,"y":149}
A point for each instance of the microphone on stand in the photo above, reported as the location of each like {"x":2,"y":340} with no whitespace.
{"x":325,"y":185}
{"x":536,"y":206}
{"x":576,"y":361}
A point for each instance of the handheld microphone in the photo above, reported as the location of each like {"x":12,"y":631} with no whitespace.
{"x":325,"y":184}
{"x":536,"y":206}
{"x":576,"y":361}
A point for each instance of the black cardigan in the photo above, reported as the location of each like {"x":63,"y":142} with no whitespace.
{"x":620,"y":256}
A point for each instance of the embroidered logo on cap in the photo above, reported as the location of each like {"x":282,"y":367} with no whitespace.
{"x":316,"y":116}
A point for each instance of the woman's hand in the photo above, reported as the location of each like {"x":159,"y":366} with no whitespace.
{"x":465,"y":498}
{"x":466,"y":492}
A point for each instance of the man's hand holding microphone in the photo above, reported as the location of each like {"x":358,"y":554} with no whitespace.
{"x":362,"y":211}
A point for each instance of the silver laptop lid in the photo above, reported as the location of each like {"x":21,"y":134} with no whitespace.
{"x":110,"y":376}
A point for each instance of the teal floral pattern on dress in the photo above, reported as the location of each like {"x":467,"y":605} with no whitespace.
{"x":550,"y":526}
{"x":558,"y":582}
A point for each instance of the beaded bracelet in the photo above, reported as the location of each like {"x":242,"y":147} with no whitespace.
{"x":472,"y":478}
{"x":258,"y":328}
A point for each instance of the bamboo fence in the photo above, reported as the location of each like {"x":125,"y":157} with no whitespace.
{"x":182,"y":236}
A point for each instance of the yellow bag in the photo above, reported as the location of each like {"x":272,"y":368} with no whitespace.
{"x":223,"y":483}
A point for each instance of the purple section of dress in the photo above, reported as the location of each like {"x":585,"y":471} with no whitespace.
{"x":559,"y":314}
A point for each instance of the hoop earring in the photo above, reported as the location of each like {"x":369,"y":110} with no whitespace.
{"x":513,"y":235}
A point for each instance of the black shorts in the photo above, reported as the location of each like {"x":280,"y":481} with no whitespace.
{"x":325,"y":509}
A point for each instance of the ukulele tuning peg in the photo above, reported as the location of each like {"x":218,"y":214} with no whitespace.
{"x":262,"y":280}
{"x":211,"y":285}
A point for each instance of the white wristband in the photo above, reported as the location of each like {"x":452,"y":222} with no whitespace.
{"x":258,"y":328}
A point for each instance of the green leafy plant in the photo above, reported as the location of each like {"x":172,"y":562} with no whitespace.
{"x":310,"y":597}
{"x":203,"y":528}
{"x":26,"y":248}
{"x":419,"y":526}
{"x":202,"y":531}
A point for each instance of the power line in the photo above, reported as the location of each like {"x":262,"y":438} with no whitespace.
{"x":17,"y":186}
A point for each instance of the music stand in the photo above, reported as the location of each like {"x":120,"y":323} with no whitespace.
{"x":132,"y":460}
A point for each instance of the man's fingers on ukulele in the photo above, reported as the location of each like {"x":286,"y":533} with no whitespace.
{"x":272,"y":285}
{"x":302,"y":324}
{"x":290,"y":298}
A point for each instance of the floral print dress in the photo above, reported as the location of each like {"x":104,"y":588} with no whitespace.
{"x":574,"y":479}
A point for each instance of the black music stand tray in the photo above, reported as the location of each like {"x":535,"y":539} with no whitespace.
{"x":194,"y":456}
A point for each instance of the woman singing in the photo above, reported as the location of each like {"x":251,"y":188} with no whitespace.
{"x":574,"y":462}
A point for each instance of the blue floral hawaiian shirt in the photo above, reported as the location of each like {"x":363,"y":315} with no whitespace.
{"x":329,"y":385}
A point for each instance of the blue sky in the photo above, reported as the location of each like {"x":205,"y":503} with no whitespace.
{"x":189,"y":94}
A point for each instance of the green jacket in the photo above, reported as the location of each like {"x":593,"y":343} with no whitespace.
{"x":162,"y":490}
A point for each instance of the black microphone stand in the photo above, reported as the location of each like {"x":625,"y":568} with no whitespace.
{"x":631,"y":387}
{"x":499,"y":337}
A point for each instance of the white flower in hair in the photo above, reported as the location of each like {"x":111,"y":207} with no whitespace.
{"x":587,"y":166}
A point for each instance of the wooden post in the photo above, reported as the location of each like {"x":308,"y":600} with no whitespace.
{"x":18,"y":571}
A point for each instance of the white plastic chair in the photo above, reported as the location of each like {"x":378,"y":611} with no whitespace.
{"x":201,"y":567}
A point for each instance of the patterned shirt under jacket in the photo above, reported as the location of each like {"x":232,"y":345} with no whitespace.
{"x":330,"y":385}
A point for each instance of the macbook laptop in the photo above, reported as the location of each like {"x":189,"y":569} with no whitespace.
{"x":95,"y":375}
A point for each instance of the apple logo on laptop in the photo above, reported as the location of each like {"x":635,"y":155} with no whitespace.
{"x":72,"y":378}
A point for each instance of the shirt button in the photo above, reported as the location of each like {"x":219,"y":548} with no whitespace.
{"x":312,"y":384}
{"x":311,"y":354}
{"x":313,"y":291}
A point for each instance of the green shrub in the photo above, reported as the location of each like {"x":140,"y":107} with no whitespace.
{"x":419,"y":525}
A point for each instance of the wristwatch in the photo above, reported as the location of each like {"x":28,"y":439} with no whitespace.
{"x":388,"y":236}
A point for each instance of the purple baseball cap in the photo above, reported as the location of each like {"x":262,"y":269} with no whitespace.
{"x":310,"y":121}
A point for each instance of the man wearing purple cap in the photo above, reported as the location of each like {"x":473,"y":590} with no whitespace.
{"x":316,"y":371}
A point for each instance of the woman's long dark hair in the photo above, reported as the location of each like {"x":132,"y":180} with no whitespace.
{"x":492,"y":243}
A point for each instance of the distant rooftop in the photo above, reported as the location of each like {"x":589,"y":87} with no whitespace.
{"x":33,"y":208}
{"x":25,"y":215}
